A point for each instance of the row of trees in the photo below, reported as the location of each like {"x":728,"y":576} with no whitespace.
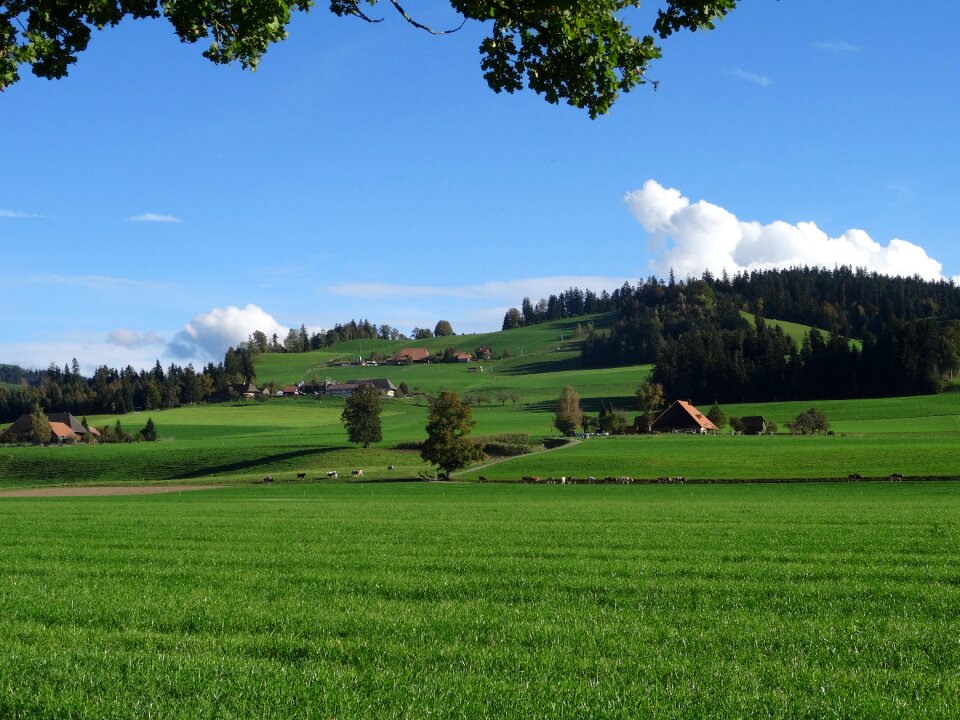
{"x":114,"y":392}
{"x":299,"y":340}
{"x":449,"y":423}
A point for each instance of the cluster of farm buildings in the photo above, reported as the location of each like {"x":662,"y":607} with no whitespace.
{"x":325,"y":387}
{"x":682,"y":416}
{"x":419,"y":355}
{"x":64,"y":427}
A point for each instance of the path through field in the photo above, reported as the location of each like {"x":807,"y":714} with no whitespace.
{"x":101,"y":491}
{"x":474,"y":468}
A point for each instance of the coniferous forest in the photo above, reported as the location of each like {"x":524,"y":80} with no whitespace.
{"x":872,"y":335}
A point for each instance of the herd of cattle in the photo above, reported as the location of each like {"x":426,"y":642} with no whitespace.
{"x":609,"y":480}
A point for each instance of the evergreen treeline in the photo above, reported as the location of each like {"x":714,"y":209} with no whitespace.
{"x":704,"y":349}
{"x":572,"y":303}
{"x":302,"y":341}
{"x":112,"y":391}
{"x":15,"y":374}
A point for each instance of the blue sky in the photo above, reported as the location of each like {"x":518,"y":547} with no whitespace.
{"x":155,"y":206}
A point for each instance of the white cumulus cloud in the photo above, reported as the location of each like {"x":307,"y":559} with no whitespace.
{"x":693,"y":237}
{"x":154,"y":218}
{"x":210,"y":334}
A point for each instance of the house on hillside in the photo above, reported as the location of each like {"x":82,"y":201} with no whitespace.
{"x":341,"y":389}
{"x":383,"y":386}
{"x":483,"y":353}
{"x":682,"y":417}
{"x":462,"y":357}
{"x":290,"y":390}
{"x":754,"y":425}
{"x":410,"y":355}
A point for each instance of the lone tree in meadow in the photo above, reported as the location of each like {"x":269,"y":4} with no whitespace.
{"x":449,"y":422}
{"x":443,"y":329}
{"x":568,"y":416}
{"x":361,"y":416}
{"x":809,"y":422}
{"x":149,"y":432}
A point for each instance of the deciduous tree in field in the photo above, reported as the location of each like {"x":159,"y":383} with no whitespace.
{"x":581,"y":52}
{"x":361,"y":416}
{"x":649,"y":401}
{"x":612,"y":420}
{"x":443,"y":328}
{"x":568,"y":416}
{"x":809,"y":422}
{"x":39,"y":426}
{"x":449,"y":423}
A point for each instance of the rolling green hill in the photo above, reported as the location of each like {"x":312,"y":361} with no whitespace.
{"x":243,"y":441}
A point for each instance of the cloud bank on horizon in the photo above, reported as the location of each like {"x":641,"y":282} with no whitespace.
{"x":693,"y":237}
{"x":210,"y":334}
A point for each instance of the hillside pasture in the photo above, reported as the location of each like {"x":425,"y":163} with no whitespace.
{"x":242,"y":442}
{"x":467,"y":601}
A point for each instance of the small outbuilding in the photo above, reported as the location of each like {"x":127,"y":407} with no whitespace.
{"x":754,"y":425}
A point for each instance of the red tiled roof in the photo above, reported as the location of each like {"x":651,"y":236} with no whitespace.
{"x":413,"y":354}
{"x":62,"y":431}
{"x":701,"y":419}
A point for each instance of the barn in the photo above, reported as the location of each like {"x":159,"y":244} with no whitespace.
{"x":682,"y":416}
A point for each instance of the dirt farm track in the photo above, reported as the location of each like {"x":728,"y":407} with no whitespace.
{"x":102,"y":491}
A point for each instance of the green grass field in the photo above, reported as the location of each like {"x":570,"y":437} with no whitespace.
{"x":241,"y":443}
{"x":467,"y":601}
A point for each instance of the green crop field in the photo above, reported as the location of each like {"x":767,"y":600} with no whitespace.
{"x":468,"y":601}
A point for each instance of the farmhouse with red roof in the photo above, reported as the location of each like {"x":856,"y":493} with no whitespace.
{"x":681,"y":417}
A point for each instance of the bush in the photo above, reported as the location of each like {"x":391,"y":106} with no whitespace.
{"x":499,"y":449}
{"x":408,"y":445}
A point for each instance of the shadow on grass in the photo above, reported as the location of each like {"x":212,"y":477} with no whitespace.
{"x":627,"y":403}
{"x":544,"y":367}
{"x":260,"y":462}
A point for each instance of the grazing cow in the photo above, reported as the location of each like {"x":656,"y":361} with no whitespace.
{"x":483,"y":478}
{"x":332,"y":474}
{"x":357,"y":473}
{"x":854,"y":476}
{"x":389,"y":467}
{"x":301,"y":476}
{"x":267,"y":479}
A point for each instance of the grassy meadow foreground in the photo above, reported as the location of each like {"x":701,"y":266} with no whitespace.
{"x":463,"y":600}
